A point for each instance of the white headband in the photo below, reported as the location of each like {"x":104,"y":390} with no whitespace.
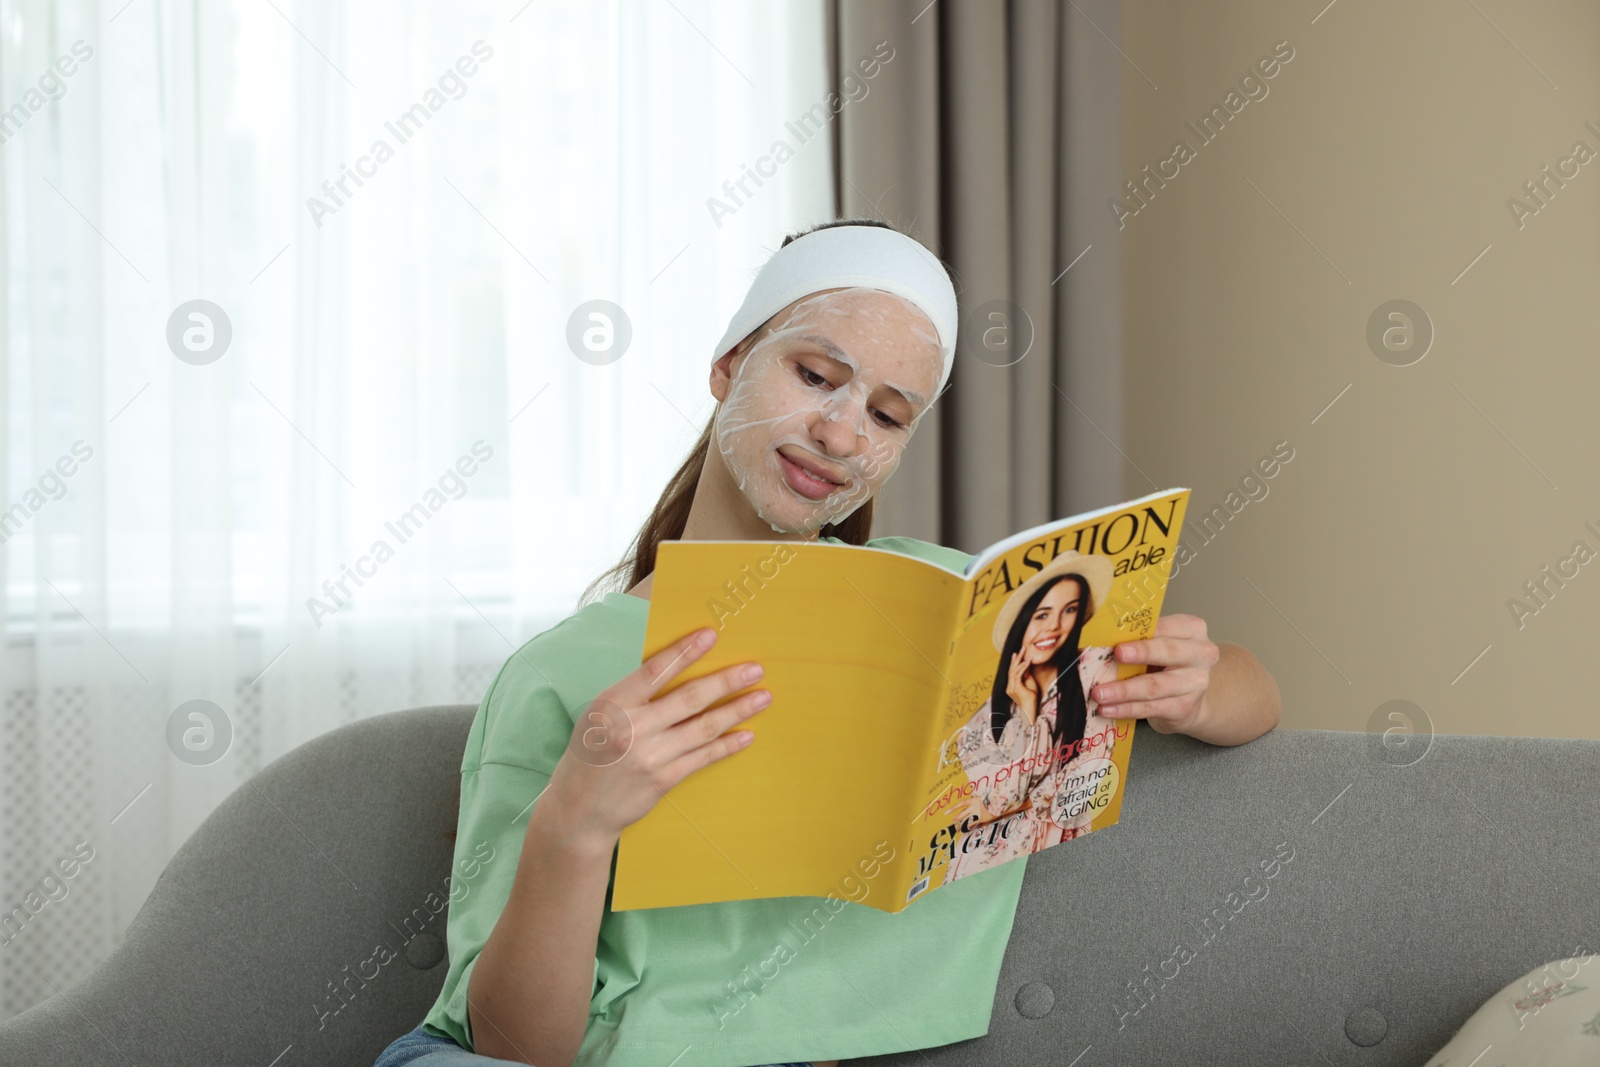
{"x":838,"y":257}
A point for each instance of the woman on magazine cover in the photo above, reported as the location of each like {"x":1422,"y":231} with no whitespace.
{"x":1041,"y":704}
{"x":844,"y":340}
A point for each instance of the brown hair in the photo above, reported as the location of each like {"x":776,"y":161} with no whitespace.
{"x":671,"y":513}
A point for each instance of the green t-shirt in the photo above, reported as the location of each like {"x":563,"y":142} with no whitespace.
{"x":710,"y":985}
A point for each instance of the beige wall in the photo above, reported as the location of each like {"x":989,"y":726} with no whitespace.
{"x":1421,"y":502}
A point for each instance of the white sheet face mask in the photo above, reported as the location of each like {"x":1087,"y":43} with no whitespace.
{"x":791,"y":399}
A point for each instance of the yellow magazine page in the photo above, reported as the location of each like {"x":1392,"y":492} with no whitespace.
{"x":855,"y":643}
{"x":1023,"y":760}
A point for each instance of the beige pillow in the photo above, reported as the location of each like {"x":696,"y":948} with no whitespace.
{"x":1550,"y":1017}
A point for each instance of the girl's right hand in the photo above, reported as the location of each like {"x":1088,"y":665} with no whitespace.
{"x":632,"y":744}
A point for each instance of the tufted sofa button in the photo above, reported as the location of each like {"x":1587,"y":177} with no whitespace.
{"x":1365,"y":1026}
{"x":423,"y":951}
{"x":1035,"y":1000}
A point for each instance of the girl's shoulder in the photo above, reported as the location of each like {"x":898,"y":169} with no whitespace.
{"x":951,"y":559}
{"x":527,"y":714}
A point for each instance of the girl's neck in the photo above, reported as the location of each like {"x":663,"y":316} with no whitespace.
{"x":720,"y":512}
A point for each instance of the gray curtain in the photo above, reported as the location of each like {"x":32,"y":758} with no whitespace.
{"x":992,"y":135}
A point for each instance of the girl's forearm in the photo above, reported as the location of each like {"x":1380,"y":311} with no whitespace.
{"x":528,"y":998}
{"x":1240,"y":704}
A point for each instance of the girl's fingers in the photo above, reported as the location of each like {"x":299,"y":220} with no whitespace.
{"x":1144,"y":687}
{"x":704,"y":755}
{"x":709,"y":726}
{"x":657,"y":671}
{"x":646,"y":690}
{"x":1169,"y":651}
{"x":691,"y":698}
{"x":1175,"y":707}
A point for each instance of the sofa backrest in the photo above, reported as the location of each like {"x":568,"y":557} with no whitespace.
{"x":1312,"y":897}
{"x":262,"y":934}
{"x":1373,"y":907}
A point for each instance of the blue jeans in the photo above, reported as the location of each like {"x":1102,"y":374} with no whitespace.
{"x":422,"y":1049}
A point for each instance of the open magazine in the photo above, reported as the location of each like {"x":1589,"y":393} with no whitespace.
{"x":926,"y":725}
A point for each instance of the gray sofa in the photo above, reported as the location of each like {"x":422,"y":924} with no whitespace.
{"x":1378,"y":900}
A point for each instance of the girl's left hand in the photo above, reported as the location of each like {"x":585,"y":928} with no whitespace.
{"x":1171,"y":692}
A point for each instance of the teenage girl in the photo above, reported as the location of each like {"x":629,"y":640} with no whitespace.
{"x":845,"y":340}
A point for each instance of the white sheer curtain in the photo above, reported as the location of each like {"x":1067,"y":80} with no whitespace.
{"x":400,"y":346}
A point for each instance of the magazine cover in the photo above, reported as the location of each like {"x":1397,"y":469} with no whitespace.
{"x":925,"y":724}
